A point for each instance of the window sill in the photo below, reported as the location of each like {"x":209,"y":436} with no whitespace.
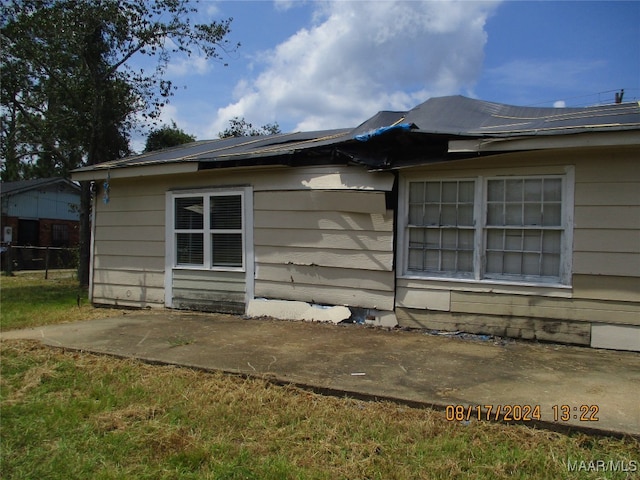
{"x":208,"y":269}
{"x":486,"y":286}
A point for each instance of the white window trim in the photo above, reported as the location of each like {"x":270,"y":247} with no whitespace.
{"x":247,"y":237}
{"x":480,"y":205}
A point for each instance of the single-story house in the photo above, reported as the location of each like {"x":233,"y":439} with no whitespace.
{"x":457,"y":215}
{"x":42,"y":212}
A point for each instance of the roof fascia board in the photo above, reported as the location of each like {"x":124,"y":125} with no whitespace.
{"x":138,"y":171}
{"x":601,"y":139}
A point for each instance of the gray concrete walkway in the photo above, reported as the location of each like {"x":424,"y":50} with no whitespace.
{"x":601,"y":386}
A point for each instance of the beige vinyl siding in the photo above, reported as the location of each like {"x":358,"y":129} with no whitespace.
{"x":607,"y":216}
{"x":328,"y":247}
{"x":605,"y":259}
{"x":128,"y":264}
{"x":209,"y":290}
{"x":325,"y":227}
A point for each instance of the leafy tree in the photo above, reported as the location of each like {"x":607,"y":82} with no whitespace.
{"x":239,"y":127}
{"x":167,"y":136}
{"x":69,"y":90}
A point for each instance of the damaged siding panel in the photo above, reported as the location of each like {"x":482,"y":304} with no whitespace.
{"x":328,"y":295}
{"x":350,"y":259}
{"x":329,"y":247}
{"x":337,"y":277}
{"x":546,"y":308}
{"x":519,"y":327}
{"x":209,"y":290}
{"x":333,"y":286}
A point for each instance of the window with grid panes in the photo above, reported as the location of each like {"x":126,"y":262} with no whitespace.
{"x":208,"y":230}
{"x":523,"y":227}
{"x":518,"y":234}
{"x":441,"y":228}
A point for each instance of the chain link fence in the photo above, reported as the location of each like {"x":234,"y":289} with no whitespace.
{"x":19,"y":258}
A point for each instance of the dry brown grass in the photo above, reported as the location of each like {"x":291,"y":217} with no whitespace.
{"x":146,"y":420}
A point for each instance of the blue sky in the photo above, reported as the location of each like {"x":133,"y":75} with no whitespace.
{"x":321,"y":65}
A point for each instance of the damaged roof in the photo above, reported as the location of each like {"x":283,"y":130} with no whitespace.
{"x":426,"y":128}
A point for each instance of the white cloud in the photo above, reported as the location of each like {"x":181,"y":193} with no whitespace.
{"x":559,"y":104}
{"x":357,"y":58}
{"x":188,"y":65}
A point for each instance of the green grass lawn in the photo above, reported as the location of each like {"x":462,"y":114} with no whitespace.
{"x":72,"y":415}
{"x":28,"y":300}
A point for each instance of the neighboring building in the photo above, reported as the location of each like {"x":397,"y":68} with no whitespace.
{"x":456,"y":215}
{"x":42,"y":212}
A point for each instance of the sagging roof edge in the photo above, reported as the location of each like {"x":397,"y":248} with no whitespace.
{"x":486,"y":127}
{"x":427,"y":150}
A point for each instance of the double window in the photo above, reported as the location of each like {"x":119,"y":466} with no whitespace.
{"x":208,"y":230}
{"x":501,"y":228}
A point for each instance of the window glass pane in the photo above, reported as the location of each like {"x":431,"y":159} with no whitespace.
{"x":416,"y":192}
{"x":533,"y":190}
{"x":189,"y":249}
{"x":551,"y":265}
{"x":189,"y":213}
{"x":226,"y":249}
{"x":495,"y":190}
{"x":532,"y":241}
{"x":226,"y":212}
{"x":433,"y":192}
{"x":415,"y":214}
{"x":552,"y":190}
{"x":416,"y":259}
{"x":416,"y":236}
{"x":495,"y":214}
{"x":449,"y":239}
{"x":448,"y":215}
{"x":433,"y":238}
{"x":466,"y":192}
{"x":432,"y":261}
{"x":532,"y":214}
{"x":514,"y":214}
{"x":465,"y":262}
{"x":450,"y":192}
{"x":512,"y":263}
{"x":465,"y":239}
{"x":465,"y":215}
{"x":494,"y":262}
{"x":552,"y":214}
{"x":513,"y":240}
{"x":448,"y":261}
{"x":531,"y":264}
{"x":495,"y":239}
{"x":432,"y":215}
{"x":551,"y":241}
{"x":514,"y":190}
